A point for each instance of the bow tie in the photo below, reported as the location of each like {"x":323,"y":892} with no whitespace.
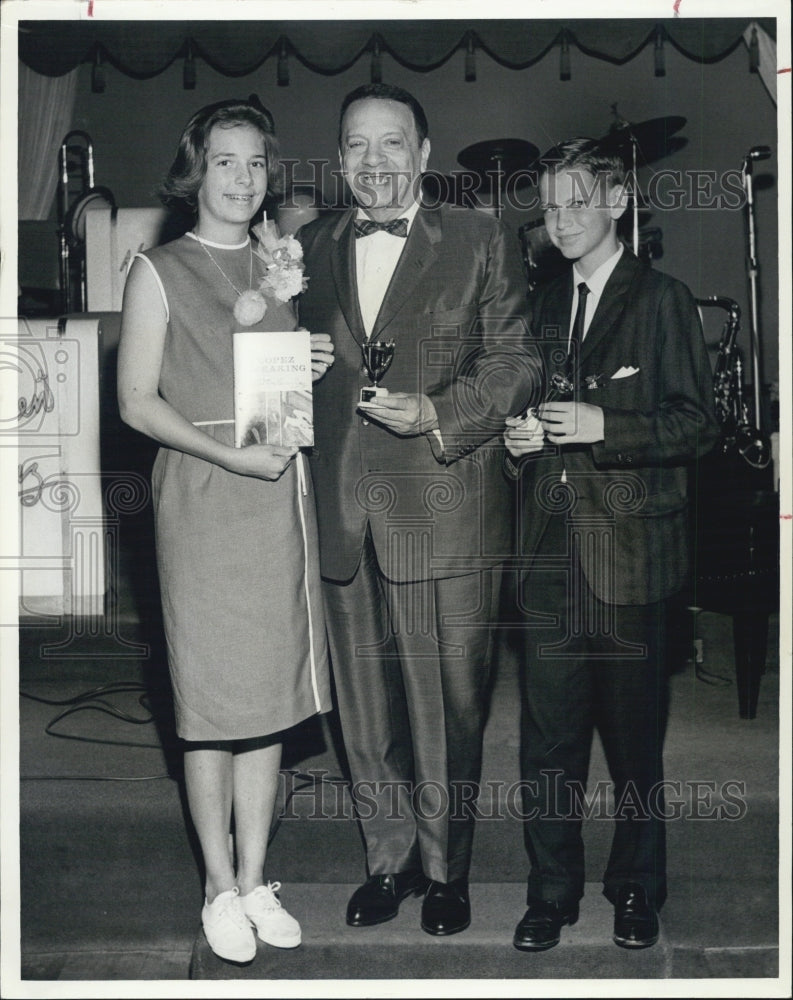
{"x":365,"y":227}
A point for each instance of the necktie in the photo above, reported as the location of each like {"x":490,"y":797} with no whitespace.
{"x":577,"y":334}
{"x":365,"y":227}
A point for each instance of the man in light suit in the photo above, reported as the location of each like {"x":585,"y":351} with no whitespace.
{"x":413,"y":507}
{"x":603,"y":472}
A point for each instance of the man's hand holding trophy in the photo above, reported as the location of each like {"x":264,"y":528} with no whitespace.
{"x":377,"y":358}
{"x":403,"y":413}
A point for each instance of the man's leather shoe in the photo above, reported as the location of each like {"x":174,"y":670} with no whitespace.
{"x":635,"y":918}
{"x":446,"y":908}
{"x":542,"y":924}
{"x":378,"y":899}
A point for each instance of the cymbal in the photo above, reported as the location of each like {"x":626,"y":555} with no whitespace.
{"x":451,"y":189}
{"x":507,"y":156}
{"x":653,"y":139}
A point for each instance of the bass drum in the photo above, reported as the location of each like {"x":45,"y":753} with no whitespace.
{"x":542,"y":259}
{"x":74,"y":222}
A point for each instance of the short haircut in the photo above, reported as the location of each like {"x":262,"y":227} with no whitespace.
{"x":586,"y":153}
{"x":387,"y":92}
{"x":186,"y":174}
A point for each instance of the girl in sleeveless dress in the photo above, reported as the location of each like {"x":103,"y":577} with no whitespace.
{"x":235,"y":527}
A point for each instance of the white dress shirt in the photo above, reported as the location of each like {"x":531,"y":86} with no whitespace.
{"x":596,"y":282}
{"x":376,"y":258}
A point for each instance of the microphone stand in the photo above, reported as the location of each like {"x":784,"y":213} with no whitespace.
{"x":634,"y":144}
{"x":499,"y":176}
{"x":757,"y":153}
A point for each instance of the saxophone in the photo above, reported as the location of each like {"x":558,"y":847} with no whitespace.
{"x":738,"y":434}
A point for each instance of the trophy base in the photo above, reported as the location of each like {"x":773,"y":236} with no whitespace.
{"x":369,"y":392}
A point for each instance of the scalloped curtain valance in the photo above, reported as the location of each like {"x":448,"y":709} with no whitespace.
{"x":142,"y":49}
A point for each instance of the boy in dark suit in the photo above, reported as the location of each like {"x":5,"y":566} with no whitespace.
{"x":602,"y":469}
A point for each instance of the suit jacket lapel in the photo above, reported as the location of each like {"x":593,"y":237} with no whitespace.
{"x":560,"y":304}
{"x":554,"y":307}
{"x":613,"y":301}
{"x":417,"y":256}
{"x":342,"y":265}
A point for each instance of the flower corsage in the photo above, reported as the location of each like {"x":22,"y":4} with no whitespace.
{"x":283,"y":277}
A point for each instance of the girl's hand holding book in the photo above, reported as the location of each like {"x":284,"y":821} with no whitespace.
{"x":263,"y":461}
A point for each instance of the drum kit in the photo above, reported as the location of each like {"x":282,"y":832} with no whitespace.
{"x":491,"y":167}
{"x":494,"y":167}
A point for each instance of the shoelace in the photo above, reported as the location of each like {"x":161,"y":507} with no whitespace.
{"x":233,"y":912}
{"x":272,"y":899}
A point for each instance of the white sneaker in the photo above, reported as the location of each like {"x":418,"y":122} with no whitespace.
{"x":227,"y":929}
{"x":273,"y":924}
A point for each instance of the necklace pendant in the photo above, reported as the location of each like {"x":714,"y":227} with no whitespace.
{"x":250,"y":305}
{"x":249,"y":308}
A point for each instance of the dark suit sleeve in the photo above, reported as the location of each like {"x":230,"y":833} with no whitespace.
{"x":502,"y":376}
{"x":513,"y":466}
{"x":681,"y":425}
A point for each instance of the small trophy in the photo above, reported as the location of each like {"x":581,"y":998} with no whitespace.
{"x":377,"y":358}
{"x":561,"y":387}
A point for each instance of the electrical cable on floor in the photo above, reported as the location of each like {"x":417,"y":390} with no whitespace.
{"x":102,"y":689}
{"x":89,"y":777}
{"x":716,"y":680}
{"x":94,"y":700}
{"x":701,"y":673}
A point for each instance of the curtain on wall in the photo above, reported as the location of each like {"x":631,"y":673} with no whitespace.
{"x":235,"y":48}
{"x":46,"y":105}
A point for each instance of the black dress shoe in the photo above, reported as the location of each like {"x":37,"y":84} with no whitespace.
{"x":542,"y":924}
{"x":635,"y":918}
{"x":446,"y":908}
{"x":378,"y":899}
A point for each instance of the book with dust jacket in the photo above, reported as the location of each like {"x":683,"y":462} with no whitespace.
{"x":272,"y":388}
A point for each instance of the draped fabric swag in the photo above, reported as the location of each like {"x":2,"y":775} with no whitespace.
{"x":144,"y":49}
{"x":50,"y":53}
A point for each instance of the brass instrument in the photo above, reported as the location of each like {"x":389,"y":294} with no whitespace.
{"x":76,"y":168}
{"x":739,"y":434}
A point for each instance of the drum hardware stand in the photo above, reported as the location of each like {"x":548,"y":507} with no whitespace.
{"x":510,"y":158}
{"x":625,"y":127}
{"x":642,"y":142}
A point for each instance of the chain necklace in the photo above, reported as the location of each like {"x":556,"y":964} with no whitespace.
{"x":250,"y":306}
{"x":228,"y":279}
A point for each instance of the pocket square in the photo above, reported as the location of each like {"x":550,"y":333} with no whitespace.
{"x":625,"y":372}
